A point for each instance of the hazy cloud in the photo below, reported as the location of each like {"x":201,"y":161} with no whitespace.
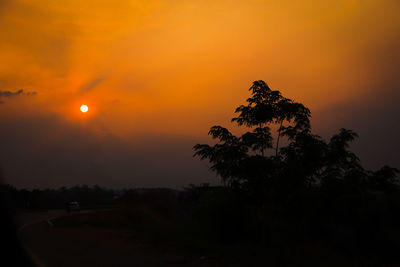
{"x":91,"y":85}
{"x":7,"y":94}
{"x":16,"y":93}
{"x":163,"y":61}
{"x":374,"y":119}
{"x":60,"y":153}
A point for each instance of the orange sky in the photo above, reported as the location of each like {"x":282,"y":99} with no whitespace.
{"x":159,"y":64}
{"x":177,"y":67}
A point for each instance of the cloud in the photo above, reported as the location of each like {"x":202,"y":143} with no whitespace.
{"x":8,"y":94}
{"x":91,"y":85}
{"x":16,"y":93}
{"x":30,"y":93}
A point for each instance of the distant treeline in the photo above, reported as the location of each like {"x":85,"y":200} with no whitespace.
{"x":87,"y":196}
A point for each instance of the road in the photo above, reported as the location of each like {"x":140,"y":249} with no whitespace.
{"x":88,"y":246}
{"x":26,"y":218}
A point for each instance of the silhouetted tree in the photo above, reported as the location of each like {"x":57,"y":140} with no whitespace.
{"x":266,"y":107}
{"x":307,"y":161}
{"x":309,"y":189}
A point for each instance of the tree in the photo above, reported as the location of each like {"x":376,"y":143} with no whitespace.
{"x":232,"y":156}
{"x":269,"y":107}
{"x":225,"y":156}
{"x":309,"y":189}
{"x":307,"y":160}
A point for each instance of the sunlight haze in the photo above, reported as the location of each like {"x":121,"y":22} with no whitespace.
{"x":157,"y":74}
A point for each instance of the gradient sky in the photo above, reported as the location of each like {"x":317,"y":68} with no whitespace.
{"x":157,"y":74}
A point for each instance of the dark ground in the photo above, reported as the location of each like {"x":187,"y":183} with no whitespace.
{"x":92,"y":246}
{"x":71,"y":242}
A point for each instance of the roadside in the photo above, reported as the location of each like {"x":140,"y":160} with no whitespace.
{"x":93,"y":246}
{"x":25,"y":218}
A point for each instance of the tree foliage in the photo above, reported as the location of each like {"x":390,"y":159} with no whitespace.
{"x":305,"y":162}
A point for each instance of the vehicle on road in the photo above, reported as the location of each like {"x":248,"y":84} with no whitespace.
{"x":72,"y":206}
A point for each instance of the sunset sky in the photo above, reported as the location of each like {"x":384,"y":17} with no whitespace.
{"x":157,"y":74}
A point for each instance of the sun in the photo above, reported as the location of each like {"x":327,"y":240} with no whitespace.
{"x":84,"y":108}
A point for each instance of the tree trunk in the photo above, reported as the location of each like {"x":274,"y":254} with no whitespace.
{"x":277,"y":139}
{"x":262,"y":148}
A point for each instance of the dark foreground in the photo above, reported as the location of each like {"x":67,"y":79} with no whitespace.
{"x":79,"y":240}
{"x":51,"y":245}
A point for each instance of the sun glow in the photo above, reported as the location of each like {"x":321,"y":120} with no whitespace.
{"x":84,"y":108}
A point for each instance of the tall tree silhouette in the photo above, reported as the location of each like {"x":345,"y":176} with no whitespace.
{"x":268,"y":107}
{"x":306,"y":161}
{"x":309,"y":189}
